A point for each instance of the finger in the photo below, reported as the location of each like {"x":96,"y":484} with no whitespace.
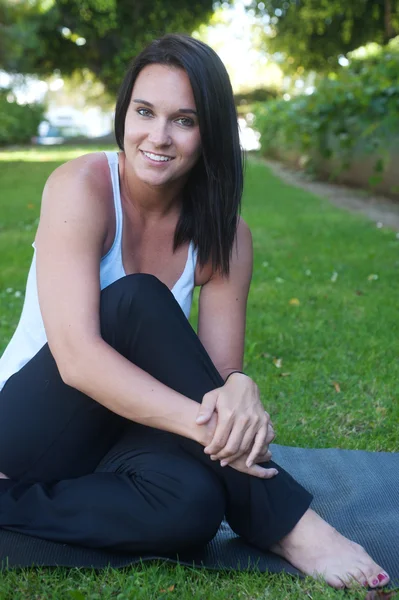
{"x":230,"y":453}
{"x":248,"y":434}
{"x":220,"y":437}
{"x":207,"y":408}
{"x":265,"y":457}
{"x":239,"y":442}
{"x":271,"y":434}
{"x":258,"y":447}
{"x":261,"y":472}
{"x":246,"y":446}
{"x":231,"y":448}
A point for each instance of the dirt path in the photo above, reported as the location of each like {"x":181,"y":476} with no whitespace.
{"x":380,"y":209}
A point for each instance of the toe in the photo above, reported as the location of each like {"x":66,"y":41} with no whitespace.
{"x":354,"y":578}
{"x":358,"y":577}
{"x":376,"y":577}
{"x":383,"y":578}
{"x":335,"y":581}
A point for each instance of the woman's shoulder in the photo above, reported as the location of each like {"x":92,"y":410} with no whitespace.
{"x":79,"y":188}
{"x":242,"y":251}
{"x":243,"y":234}
{"x":89,"y":170}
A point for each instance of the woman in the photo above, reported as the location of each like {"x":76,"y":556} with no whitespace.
{"x":101,"y":438}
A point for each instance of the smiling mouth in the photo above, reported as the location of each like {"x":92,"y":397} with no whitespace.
{"x":157,"y":157}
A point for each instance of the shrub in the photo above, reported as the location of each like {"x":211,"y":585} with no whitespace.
{"x":352,"y":113}
{"x":18,"y":124}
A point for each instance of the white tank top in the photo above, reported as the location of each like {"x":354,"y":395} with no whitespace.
{"x":30,"y":335}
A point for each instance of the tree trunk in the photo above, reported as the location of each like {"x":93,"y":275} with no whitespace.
{"x":389,"y":30}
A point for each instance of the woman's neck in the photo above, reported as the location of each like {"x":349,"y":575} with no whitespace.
{"x":150,"y":202}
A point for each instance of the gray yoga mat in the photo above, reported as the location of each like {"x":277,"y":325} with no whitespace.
{"x":356,"y":491}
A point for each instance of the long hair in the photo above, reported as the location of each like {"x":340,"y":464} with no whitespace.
{"x":212,"y":193}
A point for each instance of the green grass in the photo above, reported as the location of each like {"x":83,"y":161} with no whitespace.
{"x":335,"y":335}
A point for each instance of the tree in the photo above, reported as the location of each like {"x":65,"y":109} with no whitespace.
{"x":312,"y":34}
{"x":100,"y":35}
{"x":18,"y":40}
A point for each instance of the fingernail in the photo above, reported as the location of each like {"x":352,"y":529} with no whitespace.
{"x":249,"y":463}
{"x":382,"y":576}
{"x":223,"y":463}
{"x":375,"y":582}
{"x":273,"y":473}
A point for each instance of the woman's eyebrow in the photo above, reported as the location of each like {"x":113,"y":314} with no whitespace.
{"x":181,"y":110}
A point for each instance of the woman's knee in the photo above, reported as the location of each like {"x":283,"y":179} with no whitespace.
{"x":131,"y":299}
{"x":139,"y":287}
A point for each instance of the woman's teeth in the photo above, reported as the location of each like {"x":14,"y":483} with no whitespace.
{"x":157,"y":157}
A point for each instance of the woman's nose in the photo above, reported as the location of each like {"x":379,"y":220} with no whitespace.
{"x":159,"y":134}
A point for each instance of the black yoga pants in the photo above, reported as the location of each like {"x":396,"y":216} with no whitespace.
{"x":81,"y":474}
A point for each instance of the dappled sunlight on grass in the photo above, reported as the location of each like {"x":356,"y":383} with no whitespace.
{"x":43,"y":154}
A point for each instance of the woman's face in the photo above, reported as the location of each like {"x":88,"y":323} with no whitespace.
{"x":162,"y":139}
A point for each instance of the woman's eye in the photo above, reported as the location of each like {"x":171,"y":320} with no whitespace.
{"x":185,"y":121}
{"x":144,"y":112}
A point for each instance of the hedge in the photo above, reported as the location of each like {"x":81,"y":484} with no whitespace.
{"x":355,"y":112}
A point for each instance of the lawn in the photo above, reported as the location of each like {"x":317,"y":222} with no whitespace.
{"x":322,"y":344}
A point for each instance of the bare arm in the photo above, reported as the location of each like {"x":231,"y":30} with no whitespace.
{"x":69,"y":242}
{"x":222,"y":307}
{"x":243,"y":430}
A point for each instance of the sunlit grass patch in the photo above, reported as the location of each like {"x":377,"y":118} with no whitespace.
{"x":48,"y":153}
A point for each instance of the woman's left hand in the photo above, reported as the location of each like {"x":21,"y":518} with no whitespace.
{"x":243,"y":425}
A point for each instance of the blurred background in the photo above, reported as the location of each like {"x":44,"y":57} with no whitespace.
{"x":316,"y":81}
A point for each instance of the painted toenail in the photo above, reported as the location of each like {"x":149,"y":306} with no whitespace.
{"x":375,"y":582}
{"x":382,"y":576}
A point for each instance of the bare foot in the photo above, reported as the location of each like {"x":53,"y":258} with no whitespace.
{"x":317,"y":549}
{"x":2,"y":476}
